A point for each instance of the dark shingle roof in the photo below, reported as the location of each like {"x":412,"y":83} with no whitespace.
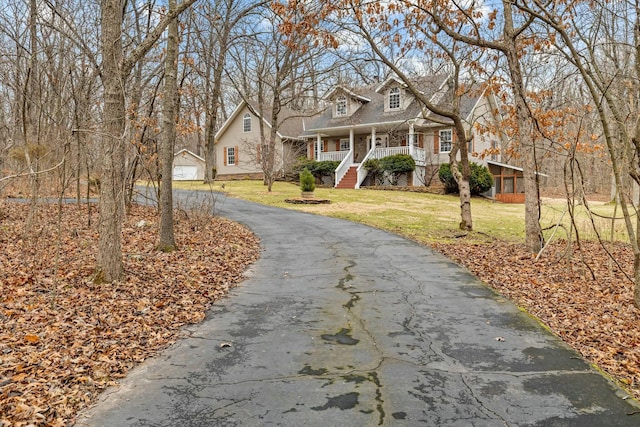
{"x":372,"y":112}
{"x":290,"y":122}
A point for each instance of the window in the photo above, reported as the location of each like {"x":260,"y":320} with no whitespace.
{"x":341,"y":106}
{"x":494,"y":150}
{"x":394,"y":98}
{"x":344,"y":144}
{"x":445,"y":141}
{"x":246,"y":123}
{"x":231,"y":156}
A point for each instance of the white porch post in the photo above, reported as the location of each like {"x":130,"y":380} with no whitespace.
{"x":318,"y":147}
{"x":351,"y":142}
{"x":412,"y":137}
{"x":373,"y":138}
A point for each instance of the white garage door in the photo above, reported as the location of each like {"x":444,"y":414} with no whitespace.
{"x":185,"y":173}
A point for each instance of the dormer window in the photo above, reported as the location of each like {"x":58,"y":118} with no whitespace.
{"x":341,"y":106}
{"x":394,"y":98}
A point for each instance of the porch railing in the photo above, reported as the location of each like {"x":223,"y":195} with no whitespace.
{"x":389,"y":151}
{"x":362,"y":172}
{"x":346,"y":158}
{"x":344,"y":166}
{"x":336,"y":156}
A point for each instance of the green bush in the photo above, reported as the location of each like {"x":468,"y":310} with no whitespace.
{"x":307,"y":181}
{"x":480,"y":181}
{"x":324,"y":168}
{"x":447,"y":179}
{"x":396,"y":165}
{"x":375,"y":171}
{"x":317,"y":169}
{"x":300,"y":164}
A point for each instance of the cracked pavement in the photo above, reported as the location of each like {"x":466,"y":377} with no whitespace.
{"x":340,"y":324}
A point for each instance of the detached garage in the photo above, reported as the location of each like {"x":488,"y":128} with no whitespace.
{"x":188,"y":166}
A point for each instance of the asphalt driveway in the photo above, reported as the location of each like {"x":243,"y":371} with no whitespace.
{"x":340,"y":324}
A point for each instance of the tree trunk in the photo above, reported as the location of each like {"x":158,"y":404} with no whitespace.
{"x":167,"y":240}
{"x":110,"y":266}
{"x":270,"y":172}
{"x":212,"y":117}
{"x":209,"y":144}
{"x":462,"y":178}
{"x":533,"y":231}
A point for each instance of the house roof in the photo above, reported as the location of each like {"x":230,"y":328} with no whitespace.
{"x":191,"y":153}
{"x":290,"y":124}
{"x":347,"y":91}
{"x":504,"y":165}
{"x":388,"y":81}
{"x":372,"y":113}
{"x":290,"y":121}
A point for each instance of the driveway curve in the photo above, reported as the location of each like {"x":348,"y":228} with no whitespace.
{"x":341,"y":324}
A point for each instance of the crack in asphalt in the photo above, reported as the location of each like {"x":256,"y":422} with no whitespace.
{"x":485,"y":408}
{"x":345,"y":284}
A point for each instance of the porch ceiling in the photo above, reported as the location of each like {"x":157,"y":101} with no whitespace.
{"x":363,"y":128}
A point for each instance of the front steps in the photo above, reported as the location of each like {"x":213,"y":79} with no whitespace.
{"x":350,"y":179}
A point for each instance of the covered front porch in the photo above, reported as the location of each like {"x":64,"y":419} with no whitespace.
{"x":354,"y":150}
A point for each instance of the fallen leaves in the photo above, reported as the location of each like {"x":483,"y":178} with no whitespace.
{"x":64,"y":339}
{"x":595,"y":316}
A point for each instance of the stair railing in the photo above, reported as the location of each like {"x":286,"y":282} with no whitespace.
{"x":343,"y":167}
{"x":361,"y":171}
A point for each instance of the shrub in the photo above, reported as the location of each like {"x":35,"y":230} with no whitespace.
{"x":307,"y":181}
{"x":396,"y":165}
{"x":302,"y":163}
{"x":375,"y":170}
{"x":324,"y":168}
{"x":447,"y":179}
{"x":480,"y":181}
{"x":317,"y":169}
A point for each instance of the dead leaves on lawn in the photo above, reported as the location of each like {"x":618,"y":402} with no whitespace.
{"x":596,"y":317}
{"x":64,"y":339}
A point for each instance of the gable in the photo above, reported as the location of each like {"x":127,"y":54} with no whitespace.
{"x":344,"y":102}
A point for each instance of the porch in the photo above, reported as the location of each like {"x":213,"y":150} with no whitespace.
{"x":351,"y":174}
{"x":354,"y":151}
{"x":508,"y":182}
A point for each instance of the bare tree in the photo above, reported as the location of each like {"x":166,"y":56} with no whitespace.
{"x":217,"y":22}
{"x":278,"y":76}
{"x":167,"y":240}
{"x":501,"y":33}
{"x":457,"y":59}
{"x":115,"y":69}
{"x":601,"y":41}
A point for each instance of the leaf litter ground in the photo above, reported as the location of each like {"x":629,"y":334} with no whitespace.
{"x":64,"y":339}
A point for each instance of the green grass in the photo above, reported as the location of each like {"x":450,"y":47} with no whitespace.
{"x":423,"y":217}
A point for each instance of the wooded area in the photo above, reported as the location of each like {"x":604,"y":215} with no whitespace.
{"x":86,"y":89}
{"x":96,"y":95}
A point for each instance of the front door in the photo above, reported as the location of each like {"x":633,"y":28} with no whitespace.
{"x":382,"y":141}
